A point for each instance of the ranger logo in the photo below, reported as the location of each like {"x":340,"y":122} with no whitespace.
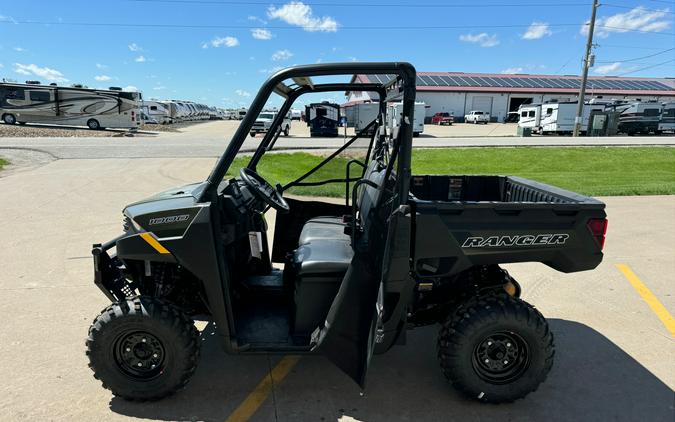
{"x":169,"y":219}
{"x":516,"y":240}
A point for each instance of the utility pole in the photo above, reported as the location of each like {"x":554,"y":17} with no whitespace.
{"x":584,"y":76}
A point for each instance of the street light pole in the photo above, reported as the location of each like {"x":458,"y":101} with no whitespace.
{"x":584,"y":76}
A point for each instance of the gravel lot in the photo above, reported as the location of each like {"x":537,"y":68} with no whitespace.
{"x":47,"y":131}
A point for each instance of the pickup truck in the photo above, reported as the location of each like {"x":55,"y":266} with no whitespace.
{"x":442,"y":119}
{"x":477,"y":116}
{"x":264,"y":122}
{"x":401,"y":251}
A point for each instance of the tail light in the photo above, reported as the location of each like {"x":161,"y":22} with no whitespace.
{"x":598,"y":228}
{"x":133,"y":116}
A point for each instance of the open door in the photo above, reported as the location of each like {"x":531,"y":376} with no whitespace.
{"x":350,"y":332}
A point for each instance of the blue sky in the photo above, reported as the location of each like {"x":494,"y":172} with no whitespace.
{"x":225,"y":49}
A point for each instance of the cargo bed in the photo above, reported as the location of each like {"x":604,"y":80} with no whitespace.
{"x":502,"y":219}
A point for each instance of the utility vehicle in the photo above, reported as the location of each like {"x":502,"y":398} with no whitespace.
{"x":341,"y":279}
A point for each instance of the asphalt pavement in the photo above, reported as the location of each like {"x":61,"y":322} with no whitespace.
{"x":614,"y":356}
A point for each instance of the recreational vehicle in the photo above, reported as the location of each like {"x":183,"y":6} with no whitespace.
{"x":95,"y":108}
{"x":640,"y":118}
{"x":323,"y":118}
{"x":362,"y":114}
{"x":157,"y":111}
{"x":559,"y":117}
{"x":530,"y":116}
{"x":667,"y":123}
{"x":394,"y":112}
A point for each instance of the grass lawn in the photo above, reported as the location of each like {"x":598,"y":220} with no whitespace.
{"x":3,"y":163}
{"x":596,"y":171}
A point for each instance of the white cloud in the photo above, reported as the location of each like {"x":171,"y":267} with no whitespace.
{"x":635,"y":19}
{"x":242,"y":93}
{"x":257,"y":19}
{"x":512,"y":70}
{"x":19,"y":49}
{"x":135,"y":47}
{"x":51,"y":75}
{"x":102,"y":78}
{"x":101,"y":66}
{"x":606,"y":69}
{"x":352,"y":59}
{"x":537,"y":30}
{"x":223,"y":41}
{"x":482,"y":39}
{"x":299,"y":14}
{"x":140,"y":59}
{"x":261,"y":34}
{"x":130,"y":88}
{"x":281,"y":55}
{"x":159,"y":88}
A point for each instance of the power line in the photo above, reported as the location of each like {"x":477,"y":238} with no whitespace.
{"x":637,"y":58}
{"x":647,"y":67}
{"x":362,"y":28}
{"x":404,"y":5}
{"x":619,"y":6}
{"x":639,"y":47}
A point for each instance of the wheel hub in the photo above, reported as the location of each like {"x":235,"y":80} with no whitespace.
{"x":140,"y":355}
{"x":501,"y":357}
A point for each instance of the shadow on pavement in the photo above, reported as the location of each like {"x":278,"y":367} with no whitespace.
{"x":592,"y":379}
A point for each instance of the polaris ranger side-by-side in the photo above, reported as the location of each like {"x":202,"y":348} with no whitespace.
{"x":343,"y":280}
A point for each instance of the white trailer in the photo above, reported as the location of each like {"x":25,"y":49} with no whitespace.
{"x":667,"y":122}
{"x":157,"y":111}
{"x":77,"y":106}
{"x":394,"y":111}
{"x":530,"y":117}
{"x":363,"y":114}
{"x":559,"y":117}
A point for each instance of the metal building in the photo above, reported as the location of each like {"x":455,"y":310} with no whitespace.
{"x":498,"y":94}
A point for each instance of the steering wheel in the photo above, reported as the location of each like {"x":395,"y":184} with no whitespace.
{"x":264,"y":190}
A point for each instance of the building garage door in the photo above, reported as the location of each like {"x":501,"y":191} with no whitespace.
{"x":483,"y":104}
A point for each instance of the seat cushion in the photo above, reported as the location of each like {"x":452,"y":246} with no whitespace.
{"x":323,"y":228}
{"x":323,"y":257}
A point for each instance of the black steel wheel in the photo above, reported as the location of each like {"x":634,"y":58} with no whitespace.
{"x":496,"y":348}
{"x":143,"y":348}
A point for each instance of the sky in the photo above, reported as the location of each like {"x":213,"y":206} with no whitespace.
{"x":219,"y":52}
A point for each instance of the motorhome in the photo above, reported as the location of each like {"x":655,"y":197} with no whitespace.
{"x":530,"y":116}
{"x":667,"y":123}
{"x":51,"y":104}
{"x":559,"y":117}
{"x":157,"y":111}
{"x":640,"y":118}
{"x":394,"y":112}
{"x":323,"y":118}
{"x":296,"y":114}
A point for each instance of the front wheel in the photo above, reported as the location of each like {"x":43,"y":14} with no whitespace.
{"x":143,"y":348}
{"x":9,"y":119}
{"x":93,"y":124}
{"x":496,"y":349}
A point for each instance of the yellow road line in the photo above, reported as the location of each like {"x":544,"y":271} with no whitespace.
{"x":253,"y":401}
{"x":660,"y":310}
{"x":154,"y":243}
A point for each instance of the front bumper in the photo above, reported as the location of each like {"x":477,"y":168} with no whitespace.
{"x":108,"y":274}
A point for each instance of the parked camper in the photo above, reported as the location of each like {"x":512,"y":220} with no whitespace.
{"x":239,"y":114}
{"x":95,"y":108}
{"x":640,"y":118}
{"x":530,"y":117}
{"x":362,"y":114}
{"x":323,"y":118}
{"x":667,"y":123}
{"x":157,"y":111}
{"x":395,"y":111}
{"x":296,"y":114}
{"x":559,"y":117}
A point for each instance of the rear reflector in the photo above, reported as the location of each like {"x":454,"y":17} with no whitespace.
{"x":598,"y":228}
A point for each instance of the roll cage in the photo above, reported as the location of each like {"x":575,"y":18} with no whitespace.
{"x":401,"y":86}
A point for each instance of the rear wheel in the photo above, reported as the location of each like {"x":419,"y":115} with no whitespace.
{"x":287,"y":130}
{"x":143,"y":348}
{"x":496,"y":349}
{"x":93,"y":124}
{"x":9,"y":119}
